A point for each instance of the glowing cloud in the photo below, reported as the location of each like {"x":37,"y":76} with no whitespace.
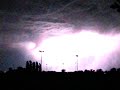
{"x":25,"y":45}
{"x":31,"y":45}
{"x":93,"y":50}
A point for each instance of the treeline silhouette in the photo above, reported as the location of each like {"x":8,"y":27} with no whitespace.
{"x":32,"y":77}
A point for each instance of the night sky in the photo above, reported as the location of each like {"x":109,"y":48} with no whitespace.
{"x":25,"y":24}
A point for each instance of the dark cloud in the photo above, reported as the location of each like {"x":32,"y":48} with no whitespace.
{"x":28,"y":20}
{"x":11,"y":58}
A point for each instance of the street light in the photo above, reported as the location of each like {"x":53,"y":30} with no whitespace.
{"x":77,"y":62}
{"x":63,"y":65}
{"x":41,"y":57}
{"x":46,"y":67}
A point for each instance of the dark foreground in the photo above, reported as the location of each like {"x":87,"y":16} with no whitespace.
{"x":32,"y":78}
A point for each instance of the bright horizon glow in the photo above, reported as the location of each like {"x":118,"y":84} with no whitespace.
{"x":93,"y":50}
{"x":31,"y":45}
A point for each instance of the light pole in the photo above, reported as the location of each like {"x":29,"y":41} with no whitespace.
{"x":77,"y":62}
{"x":41,"y":57}
{"x":46,"y":67}
{"x":63,"y":65}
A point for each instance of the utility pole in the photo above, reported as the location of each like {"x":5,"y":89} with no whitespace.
{"x":41,"y":57}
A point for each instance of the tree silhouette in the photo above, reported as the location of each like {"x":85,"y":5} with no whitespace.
{"x":33,"y":66}
{"x":27,"y":77}
{"x":37,"y":67}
